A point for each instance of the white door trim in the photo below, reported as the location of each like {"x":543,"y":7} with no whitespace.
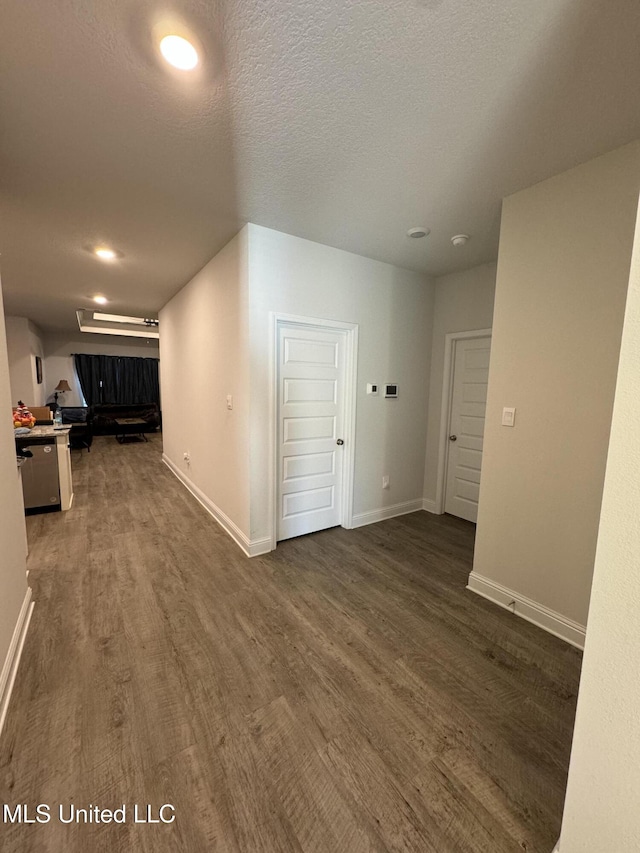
{"x":351,"y":375}
{"x":445,"y":411}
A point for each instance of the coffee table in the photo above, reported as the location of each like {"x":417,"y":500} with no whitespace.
{"x":130,"y":427}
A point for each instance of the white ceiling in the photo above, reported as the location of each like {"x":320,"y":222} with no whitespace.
{"x":342,"y":121}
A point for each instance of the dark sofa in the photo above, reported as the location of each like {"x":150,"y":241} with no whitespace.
{"x":103,"y":417}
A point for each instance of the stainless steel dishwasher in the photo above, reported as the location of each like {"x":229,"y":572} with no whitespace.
{"x":40,"y":481}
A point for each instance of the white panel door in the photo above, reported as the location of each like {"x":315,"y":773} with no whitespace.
{"x":311,"y":383}
{"x":466,"y":426}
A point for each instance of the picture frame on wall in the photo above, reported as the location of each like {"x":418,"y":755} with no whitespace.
{"x":39,"y":370}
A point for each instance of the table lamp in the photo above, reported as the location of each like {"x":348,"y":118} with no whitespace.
{"x":61,"y":388}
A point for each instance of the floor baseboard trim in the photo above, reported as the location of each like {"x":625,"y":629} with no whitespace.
{"x":430,"y":506}
{"x":12,"y":661}
{"x":551,"y":621}
{"x":260,"y":546}
{"x":251,"y":548}
{"x":382,"y":514}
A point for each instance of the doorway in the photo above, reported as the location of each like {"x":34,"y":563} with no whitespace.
{"x":464,"y":403}
{"x":315,"y":366}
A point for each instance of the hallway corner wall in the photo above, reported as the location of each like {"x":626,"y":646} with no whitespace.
{"x":14,"y":592}
{"x":563,"y":273}
{"x":203,"y":360}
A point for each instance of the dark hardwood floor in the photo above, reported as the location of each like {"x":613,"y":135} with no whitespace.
{"x":343,"y":694}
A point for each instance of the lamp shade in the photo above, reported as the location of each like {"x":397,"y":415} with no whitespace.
{"x":63,"y":385}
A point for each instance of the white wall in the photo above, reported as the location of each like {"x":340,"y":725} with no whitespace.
{"x":394,"y":309}
{"x":563,"y":270}
{"x":601,"y":809}
{"x":58,"y":349}
{"x":463,"y":302}
{"x":24,"y":342}
{"x":13,"y":581}
{"x":203,"y":358}
{"x":215,"y":341}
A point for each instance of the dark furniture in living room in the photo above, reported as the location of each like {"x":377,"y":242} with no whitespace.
{"x":105,"y":417}
{"x":78,"y":417}
{"x":130,"y":428}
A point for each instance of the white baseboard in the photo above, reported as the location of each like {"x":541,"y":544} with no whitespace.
{"x":252,"y":548}
{"x":10,"y":668}
{"x":375,"y":515}
{"x":430,"y":506}
{"x":260,"y":546}
{"x":551,"y":621}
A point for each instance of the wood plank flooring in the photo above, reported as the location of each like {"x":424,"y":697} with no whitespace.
{"x":343,"y":694}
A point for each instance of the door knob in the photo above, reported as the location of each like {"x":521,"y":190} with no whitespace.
{"x":340,"y":441}
{"x":453,"y":438}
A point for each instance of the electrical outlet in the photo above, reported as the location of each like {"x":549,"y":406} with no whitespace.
{"x":385,"y":482}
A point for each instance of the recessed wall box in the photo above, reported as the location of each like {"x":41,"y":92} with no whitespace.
{"x":390,"y":390}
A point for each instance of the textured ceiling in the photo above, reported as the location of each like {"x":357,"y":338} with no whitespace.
{"x":342,"y":121}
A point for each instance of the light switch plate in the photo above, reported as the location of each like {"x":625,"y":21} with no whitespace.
{"x":508,"y":416}
{"x":372,"y":388}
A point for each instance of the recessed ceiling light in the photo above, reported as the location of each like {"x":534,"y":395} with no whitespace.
{"x":101,"y":300}
{"x":416,"y":233}
{"x":105,"y":254}
{"x":179,"y":52}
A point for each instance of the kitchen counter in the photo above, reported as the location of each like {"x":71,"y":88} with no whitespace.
{"x":43,"y":432}
{"x":61,"y":439}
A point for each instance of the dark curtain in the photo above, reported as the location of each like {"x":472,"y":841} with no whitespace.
{"x":118,"y":379}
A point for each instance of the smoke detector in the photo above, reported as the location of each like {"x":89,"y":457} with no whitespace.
{"x":416,"y":233}
{"x":460,"y":239}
